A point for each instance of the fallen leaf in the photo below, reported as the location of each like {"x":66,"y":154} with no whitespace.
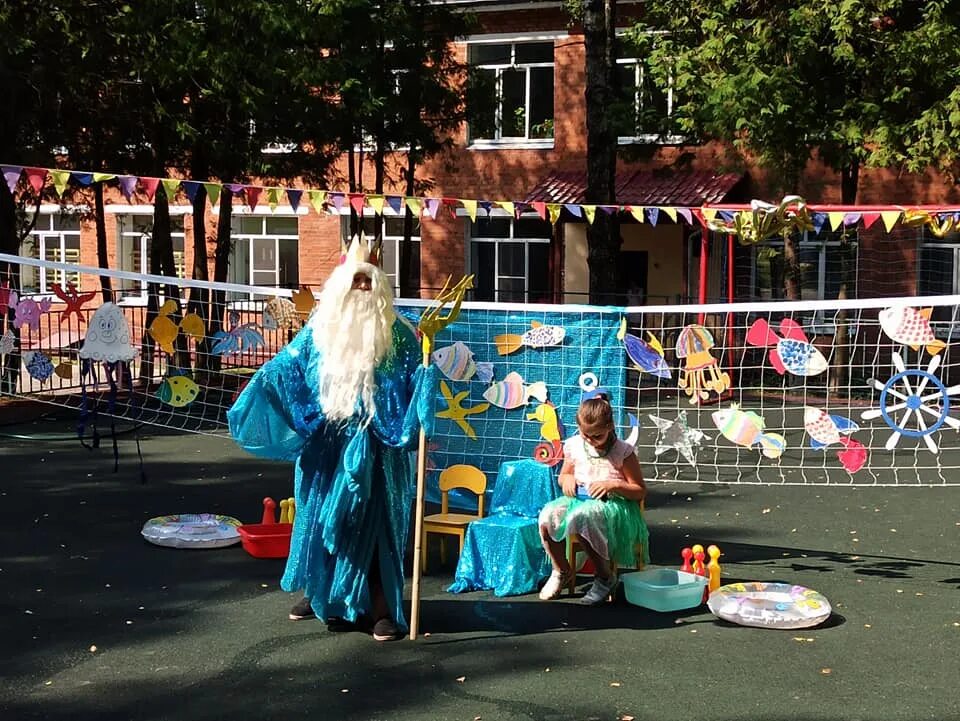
{"x":615,"y":684}
{"x":461,"y":679}
{"x":826,"y":671}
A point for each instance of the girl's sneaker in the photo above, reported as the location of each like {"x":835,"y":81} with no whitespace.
{"x":555,"y":584}
{"x":302,"y":610}
{"x":600,"y":590}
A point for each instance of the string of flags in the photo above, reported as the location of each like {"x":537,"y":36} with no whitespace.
{"x":742,"y":221}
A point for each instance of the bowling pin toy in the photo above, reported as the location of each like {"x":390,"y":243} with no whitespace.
{"x":713,"y":568}
{"x":697,"y":563}
{"x":269,"y":506}
{"x":687,"y":554}
{"x":291,"y":509}
{"x":285,"y":510}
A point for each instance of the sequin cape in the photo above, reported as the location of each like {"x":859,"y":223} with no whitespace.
{"x":353,"y":487}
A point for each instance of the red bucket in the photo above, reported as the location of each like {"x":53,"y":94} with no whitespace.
{"x":266,"y":540}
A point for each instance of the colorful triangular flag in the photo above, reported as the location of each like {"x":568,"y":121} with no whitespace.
{"x":890,"y":218}
{"x":170,"y":187}
{"x":150,"y":186}
{"x":471,"y":207}
{"x":128,"y":184}
{"x":293,"y":196}
{"x":11,"y":173}
{"x":60,"y":180}
{"x":213,"y":192}
{"x":36,"y":177}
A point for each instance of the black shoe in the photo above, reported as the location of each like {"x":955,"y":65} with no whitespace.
{"x":335,"y":624}
{"x":386,"y":630}
{"x":302,"y":610}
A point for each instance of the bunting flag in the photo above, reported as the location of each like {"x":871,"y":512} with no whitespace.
{"x":103,"y":177}
{"x":252,"y":193}
{"x":395,"y":202}
{"x":471,"y":207}
{"x":869,"y":219}
{"x":554,"y":210}
{"x":589,"y":211}
{"x":540,"y":208}
{"x":60,"y":180}
{"x":128,"y":184}
{"x":318,"y":200}
{"x":414,"y":204}
{"x":170,"y":187}
{"x":818,"y":220}
{"x":150,"y":187}
{"x":356,"y":202}
{"x":709,"y":214}
{"x":686,"y":214}
{"x":637,"y":212}
{"x":890,"y":218}
{"x":83,"y":179}
{"x":36,"y":177}
{"x":337,"y":200}
{"x":273,"y":198}
{"x":11,"y":173}
{"x":191,"y":188}
{"x":235,"y":188}
{"x":671,"y":212}
{"x":507,"y":206}
{"x":213,"y":192}
{"x":574,"y":209}
{"x":654,"y":215}
{"x":433,"y":206}
{"x":836,"y":219}
{"x":851,"y":219}
{"x":376,"y":202}
{"x":293,"y":197}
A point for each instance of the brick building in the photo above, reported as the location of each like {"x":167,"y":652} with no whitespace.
{"x":534,"y":149}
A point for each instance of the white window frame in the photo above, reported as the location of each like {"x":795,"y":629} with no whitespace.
{"x":499,"y":142}
{"x":943,"y":330}
{"x":133,"y":296}
{"x":238,"y":237}
{"x":818,"y":323}
{"x":41,"y":237}
{"x":639,"y":71}
{"x":391,"y":243}
{"x":471,"y":239}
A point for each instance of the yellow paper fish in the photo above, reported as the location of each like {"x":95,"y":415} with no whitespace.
{"x":178,"y":391}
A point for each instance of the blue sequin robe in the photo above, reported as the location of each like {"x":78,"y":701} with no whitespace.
{"x":354,"y":487}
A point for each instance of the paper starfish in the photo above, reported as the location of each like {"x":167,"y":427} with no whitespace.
{"x":73,"y":299}
{"x":678,"y":435}
{"x":457,"y":413}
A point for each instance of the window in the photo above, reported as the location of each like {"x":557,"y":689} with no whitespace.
{"x":644,"y":106}
{"x":55,"y":237}
{"x":392,"y":240}
{"x":511,"y":259}
{"x":826,"y":264}
{"x":938,"y":265}
{"x":519,"y":77}
{"x":265,"y":251}
{"x":134,"y":240}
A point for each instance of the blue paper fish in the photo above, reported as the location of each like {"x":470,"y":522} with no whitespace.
{"x":647,"y":357}
{"x":792,"y":353}
{"x":39,"y":366}
{"x":456,"y":363}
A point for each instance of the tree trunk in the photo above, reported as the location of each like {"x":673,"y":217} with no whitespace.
{"x":200,"y":297}
{"x":406,"y":245}
{"x":221,"y":267}
{"x":9,"y":244}
{"x":103,"y":259}
{"x":840,"y":378}
{"x":603,"y":235}
{"x":792,"y":279}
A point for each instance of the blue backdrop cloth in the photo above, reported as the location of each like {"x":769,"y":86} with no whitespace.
{"x":590,"y":346}
{"x":503,"y":552}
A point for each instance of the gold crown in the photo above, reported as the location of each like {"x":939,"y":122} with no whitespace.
{"x":361,"y":250}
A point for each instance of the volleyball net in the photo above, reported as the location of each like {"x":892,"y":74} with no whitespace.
{"x":852,"y":392}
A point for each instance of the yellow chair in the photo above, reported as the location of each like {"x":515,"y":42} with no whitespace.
{"x":453,"y":524}
{"x":573,"y":545}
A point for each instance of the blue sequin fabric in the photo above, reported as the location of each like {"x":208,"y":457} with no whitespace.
{"x":353,"y":486}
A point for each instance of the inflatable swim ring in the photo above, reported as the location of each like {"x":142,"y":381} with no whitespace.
{"x":769,"y":605}
{"x":192,"y":530}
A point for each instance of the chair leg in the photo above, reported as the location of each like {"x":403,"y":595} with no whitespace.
{"x":443,"y":549}
{"x":572,"y":561}
{"x":423,"y":553}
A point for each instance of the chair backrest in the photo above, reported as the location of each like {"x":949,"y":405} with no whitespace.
{"x":465,"y":476}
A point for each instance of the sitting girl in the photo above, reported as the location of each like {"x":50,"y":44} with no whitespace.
{"x":603,"y":488}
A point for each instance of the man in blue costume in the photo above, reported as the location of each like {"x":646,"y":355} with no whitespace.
{"x":345,"y":400}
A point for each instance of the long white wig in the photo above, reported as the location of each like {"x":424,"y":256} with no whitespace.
{"x":353,"y":329}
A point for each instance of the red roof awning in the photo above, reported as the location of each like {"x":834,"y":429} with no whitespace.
{"x":641,"y":187}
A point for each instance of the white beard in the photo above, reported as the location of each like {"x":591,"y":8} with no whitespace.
{"x":354,"y":331}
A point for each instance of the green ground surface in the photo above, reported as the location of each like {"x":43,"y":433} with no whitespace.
{"x":204,"y":635}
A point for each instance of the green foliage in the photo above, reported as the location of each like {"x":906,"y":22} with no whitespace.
{"x":858,"y":81}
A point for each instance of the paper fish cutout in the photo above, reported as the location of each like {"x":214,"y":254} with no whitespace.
{"x":745,"y":428}
{"x":239,"y":339}
{"x":701,"y":373}
{"x":825,"y":430}
{"x":911,"y":327}
{"x":39,"y":365}
{"x":456,"y":363}
{"x":192,"y":325}
{"x":792,"y":353}
{"x":64,"y":370}
{"x":647,"y":357}
{"x":163,"y":330}
{"x":456,"y":412}
{"x":27,"y":311}
{"x":678,"y":435}
{"x":73,"y":299}
{"x":108,"y":336}
{"x":512,"y":392}
{"x":280,"y":314}
{"x":304,"y":301}
{"x":7,"y":342}
{"x":539,"y":336}
{"x":178,"y":391}
{"x":551,"y":430}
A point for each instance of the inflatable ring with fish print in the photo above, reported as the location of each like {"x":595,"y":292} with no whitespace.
{"x":192,"y":530}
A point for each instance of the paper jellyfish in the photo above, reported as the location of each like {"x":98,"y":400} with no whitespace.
{"x":700,"y":373}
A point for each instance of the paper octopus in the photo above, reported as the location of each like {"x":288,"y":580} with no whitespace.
{"x":905,"y":391}
{"x":239,"y":339}
{"x":700,"y":373}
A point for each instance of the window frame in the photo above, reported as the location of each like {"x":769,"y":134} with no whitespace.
{"x":38,"y":238}
{"x":499,"y":141}
{"x":393,"y":240}
{"x":639,"y":70}
{"x":945,"y":330}
{"x":237,"y":238}
{"x":133,"y":296}
{"x":471,"y":238}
